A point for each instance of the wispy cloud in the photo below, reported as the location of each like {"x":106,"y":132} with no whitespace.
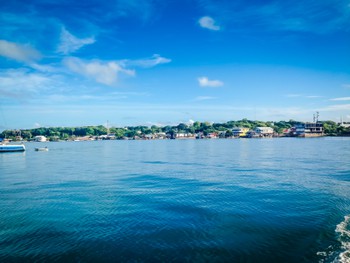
{"x":21,"y":83}
{"x":44,"y":68}
{"x":313,"y":96}
{"x":340,"y":107}
{"x":347,"y":86}
{"x":18,"y":52}
{"x":303,"y":96}
{"x":201,"y":98}
{"x":147,"y":62}
{"x":305,"y":16}
{"x":341,"y":99}
{"x":205,"y":82}
{"x":100,"y":71}
{"x":70,"y":43}
{"x":209,"y":23}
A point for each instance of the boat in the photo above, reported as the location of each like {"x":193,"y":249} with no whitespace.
{"x":12,"y":148}
{"x":42,"y":149}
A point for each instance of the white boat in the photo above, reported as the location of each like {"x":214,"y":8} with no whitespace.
{"x":12,"y":148}
{"x":42,"y":149}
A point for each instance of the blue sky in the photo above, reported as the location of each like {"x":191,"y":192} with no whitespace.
{"x":145,"y":62}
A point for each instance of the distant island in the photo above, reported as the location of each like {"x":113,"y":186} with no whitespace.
{"x":199,"y":130}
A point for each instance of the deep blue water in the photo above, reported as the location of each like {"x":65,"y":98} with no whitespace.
{"x":246,"y":200}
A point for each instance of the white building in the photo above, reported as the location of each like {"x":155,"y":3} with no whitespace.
{"x":264,"y":131}
{"x":345,"y":124}
{"x":40,"y":138}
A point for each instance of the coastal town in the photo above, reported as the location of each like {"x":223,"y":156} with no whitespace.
{"x":196,"y":130}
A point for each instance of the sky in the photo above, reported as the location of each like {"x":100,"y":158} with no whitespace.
{"x":164,"y":62}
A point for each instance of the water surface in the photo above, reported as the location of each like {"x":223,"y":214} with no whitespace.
{"x":246,"y":200}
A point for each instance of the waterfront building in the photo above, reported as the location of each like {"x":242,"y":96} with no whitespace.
{"x":182,"y":135}
{"x":308,"y":130}
{"x":344,"y":124}
{"x":240,"y":132}
{"x":200,"y":135}
{"x":264,"y":131}
{"x":212,"y":135}
{"x":148,"y":137}
{"x":160,"y":135}
{"x":222,"y":134}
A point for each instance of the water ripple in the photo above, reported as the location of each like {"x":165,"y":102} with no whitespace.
{"x":177,"y":201}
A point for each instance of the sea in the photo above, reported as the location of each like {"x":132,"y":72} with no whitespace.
{"x":212,"y":200}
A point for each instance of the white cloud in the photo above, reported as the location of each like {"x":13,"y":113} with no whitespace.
{"x":147,"y":62}
{"x":347,"y":86}
{"x":44,"y":68}
{"x":314,"y":97}
{"x":102,"y":72}
{"x":209,"y":23}
{"x":21,"y":53}
{"x":70,"y":43}
{"x":200,"y":98}
{"x":340,"y":107}
{"x":341,"y":99}
{"x":21,"y":83}
{"x":205,"y":82}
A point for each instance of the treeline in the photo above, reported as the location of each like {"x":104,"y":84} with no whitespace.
{"x":64,"y":133}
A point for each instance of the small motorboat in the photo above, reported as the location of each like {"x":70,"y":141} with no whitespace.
{"x":42,"y":149}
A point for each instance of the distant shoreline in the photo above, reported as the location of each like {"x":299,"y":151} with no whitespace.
{"x":180,"y":139}
{"x":230,"y":129}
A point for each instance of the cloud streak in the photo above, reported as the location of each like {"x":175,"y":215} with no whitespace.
{"x":153,"y":61}
{"x":341,"y":107}
{"x":341,"y":99}
{"x":18,"y":52}
{"x":303,"y":96}
{"x":70,"y":43}
{"x":314,"y":97}
{"x":205,"y":82}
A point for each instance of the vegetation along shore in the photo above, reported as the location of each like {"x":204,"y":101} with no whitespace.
{"x":230,"y":129}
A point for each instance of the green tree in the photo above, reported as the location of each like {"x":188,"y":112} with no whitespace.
{"x":197,"y":126}
{"x":330,"y":127}
{"x":130,"y":133}
{"x":155,"y":129}
{"x":26,"y":134}
{"x":119,"y":133}
{"x":100,"y":130}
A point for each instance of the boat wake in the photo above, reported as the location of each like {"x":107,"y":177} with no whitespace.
{"x":339,"y":253}
{"x":343,"y":230}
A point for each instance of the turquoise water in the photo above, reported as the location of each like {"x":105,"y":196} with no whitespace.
{"x":246,"y":200}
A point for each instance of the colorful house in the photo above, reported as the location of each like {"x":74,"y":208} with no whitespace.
{"x":240,"y":132}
